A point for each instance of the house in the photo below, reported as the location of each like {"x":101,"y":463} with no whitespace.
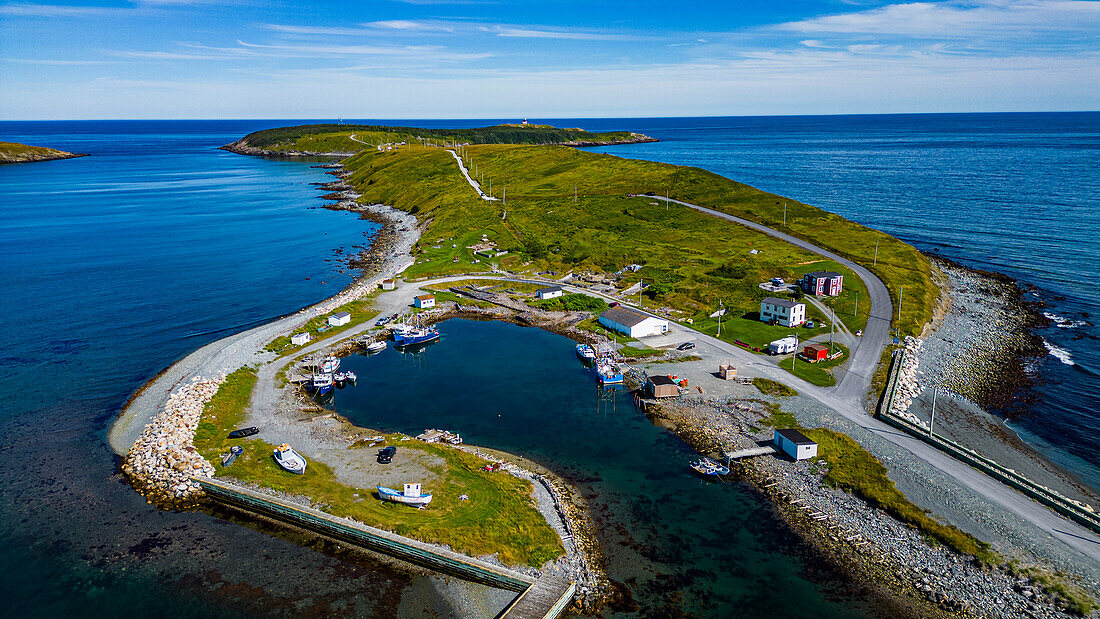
{"x":299,"y":338}
{"x":424,"y":301}
{"x":782,"y":312}
{"x":662,"y":387}
{"x":389,"y":284}
{"x":823,"y":283}
{"x":794,"y":444}
{"x":632,"y":322}
{"x":339,"y":319}
{"x":552,"y":292}
{"x":786,"y":345}
{"x":815,"y":352}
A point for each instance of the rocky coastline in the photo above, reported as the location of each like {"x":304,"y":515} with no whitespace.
{"x":35,"y":157}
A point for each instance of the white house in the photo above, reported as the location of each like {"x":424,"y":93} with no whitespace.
{"x":783,"y":311}
{"x":632,"y":322}
{"x":389,"y":284}
{"x":552,"y":292}
{"x":299,"y":338}
{"x":794,"y":444}
{"x":424,"y":301}
{"x":339,"y":319}
{"x":786,"y":345}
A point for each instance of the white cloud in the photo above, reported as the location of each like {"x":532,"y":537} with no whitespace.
{"x":573,"y":35}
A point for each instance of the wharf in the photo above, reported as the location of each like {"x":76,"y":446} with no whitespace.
{"x":751,"y":452}
{"x":544,"y":597}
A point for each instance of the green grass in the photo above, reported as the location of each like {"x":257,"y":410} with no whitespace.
{"x":14,"y":152}
{"x":639,"y":352}
{"x":361,"y":310}
{"x":771,"y":387}
{"x":1072,"y":597}
{"x":575,"y":302}
{"x":853,"y":469}
{"x":816,"y":373}
{"x":749,"y":329}
{"x":500,"y":516}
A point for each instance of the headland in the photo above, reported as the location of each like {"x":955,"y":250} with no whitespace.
{"x":13,"y":152}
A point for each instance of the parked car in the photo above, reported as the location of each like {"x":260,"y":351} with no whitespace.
{"x":686,"y":346}
{"x":385,"y":456}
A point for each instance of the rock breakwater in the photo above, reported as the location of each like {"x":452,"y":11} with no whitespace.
{"x":162,"y":461}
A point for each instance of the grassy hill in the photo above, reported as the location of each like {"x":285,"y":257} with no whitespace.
{"x":337,"y":138}
{"x":690,"y":260}
{"x":13,"y":152}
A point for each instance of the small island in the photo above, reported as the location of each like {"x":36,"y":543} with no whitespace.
{"x":13,"y":152}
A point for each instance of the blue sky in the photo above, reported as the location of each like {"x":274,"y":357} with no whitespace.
{"x":500,"y":59}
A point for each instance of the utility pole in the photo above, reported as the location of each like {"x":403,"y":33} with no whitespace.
{"x":855,"y":312}
{"x":876,"y":252}
{"x":932,"y":423}
{"x":901,"y":293}
{"x":720,"y":316}
{"x":784,"y":214}
{"x":574,"y":193}
{"x":490,"y":187}
{"x":506,"y":195}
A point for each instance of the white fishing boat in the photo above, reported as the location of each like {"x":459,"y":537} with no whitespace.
{"x":411,"y":495}
{"x":330,"y":364}
{"x":350,"y":376}
{"x":321,"y":383}
{"x":290,"y":459}
{"x":376,"y":347}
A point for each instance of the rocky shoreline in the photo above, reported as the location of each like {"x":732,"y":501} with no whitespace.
{"x":33,"y":158}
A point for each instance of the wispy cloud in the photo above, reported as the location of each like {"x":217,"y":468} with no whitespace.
{"x":314,"y":30}
{"x":572,"y":35}
{"x":55,"y":10}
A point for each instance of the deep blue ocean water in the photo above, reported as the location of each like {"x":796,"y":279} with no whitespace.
{"x":113,"y":266}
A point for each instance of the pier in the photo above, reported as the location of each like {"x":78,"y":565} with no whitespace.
{"x":543,"y":597}
{"x":750,"y":452}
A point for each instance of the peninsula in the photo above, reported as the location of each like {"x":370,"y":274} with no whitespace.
{"x":13,"y":152}
{"x":701,"y":253}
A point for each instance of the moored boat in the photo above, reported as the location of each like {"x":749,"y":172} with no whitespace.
{"x":350,"y":376}
{"x":376,"y":347}
{"x":411,"y":495}
{"x":608,"y":372}
{"x":231,"y":457}
{"x":321,"y":383}
{"x":416,"y":335}
{"x":290,"y":459}
{"x":243,"y":432}
{"x":586,"y":352}
{"x":330,"y":364}
{"x":709,"y":468}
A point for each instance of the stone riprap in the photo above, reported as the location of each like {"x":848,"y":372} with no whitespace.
{"x":162,"y":461}
{"x":908,"y":383}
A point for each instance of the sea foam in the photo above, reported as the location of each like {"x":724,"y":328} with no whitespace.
{"x":1059,"y":353}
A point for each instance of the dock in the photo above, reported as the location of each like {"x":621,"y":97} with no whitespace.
{"x":750,"y":452}
{"x":542,"y":597}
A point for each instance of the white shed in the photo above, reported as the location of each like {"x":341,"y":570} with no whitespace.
{"x":552,"y":292}
{"x":794,"y":444}
{"x":632,"y":322}
{"x":339,"y":319}
{"x":389,"y":284}
{"x":299,"y":338}
{"x":424,"y":301}
{"x":786,"y":345}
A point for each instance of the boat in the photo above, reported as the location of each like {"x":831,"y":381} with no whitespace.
{"x":708,"y":468}
{"x":340,"y":377}
{"x":350,"y":376}
{"x":376,"y":347}
{"x":321,"y":383}
{"x":231,"y":457}
{"x":290,"y":459}
{"x":330,"y":364}
{"x":418,"y":335}
{"x":586,"y":352}
{"x":411,"y":495}
{"x":608,"y":372}
{"x":243,"y":432}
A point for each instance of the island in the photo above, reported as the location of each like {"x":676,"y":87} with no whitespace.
{"x":13,"y":152}
{"x":515,"y":223}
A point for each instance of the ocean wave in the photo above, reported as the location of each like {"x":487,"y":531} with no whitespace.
{"x":1064,"y":323}
{"x":1059,"y":353}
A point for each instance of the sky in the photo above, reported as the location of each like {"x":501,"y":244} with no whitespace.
{"x":419,"y":59}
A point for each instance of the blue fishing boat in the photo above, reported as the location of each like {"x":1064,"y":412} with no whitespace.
{"x":321,"y":383}
{"x":415,"y":335}
{"x":608,"y":372}
{"x":411,"y":495}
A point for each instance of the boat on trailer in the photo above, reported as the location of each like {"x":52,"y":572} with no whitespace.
{"x":410,"y":496}
{"x":290,"y":459}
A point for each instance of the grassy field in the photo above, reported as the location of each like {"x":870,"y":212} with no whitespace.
{"x":361,"y":310}
{"x":770,"y":387}
{"x":501,"y":517}
{"x":854,"y":469}
{"x":336,"y":138}
{"x":690,"y":260}
{"x":574,"y":302}
{"x":816,"y":373}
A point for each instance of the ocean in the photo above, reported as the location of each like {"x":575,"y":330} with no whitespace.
{"x":113,"y":266}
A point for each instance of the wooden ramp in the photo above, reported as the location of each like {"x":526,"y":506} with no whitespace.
{"x":750,"y":452}
{"x":546,"y":599}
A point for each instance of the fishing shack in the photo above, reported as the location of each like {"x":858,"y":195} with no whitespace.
{"x":424,"y":301}
{"x":299,"y":338}
{"x":663,"y":387}
{"x":794,"y":444}
{"x":339,"y":319}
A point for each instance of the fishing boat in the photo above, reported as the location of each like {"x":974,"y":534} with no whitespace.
{"x":340,"y":377}
{"x":586,"y":352}
{"x":290,"y":459}
{"x":608,"y":372}
{"x":330,"y":364}
{"x":419,"y":335}
{"x":709,"y":468}
{"x":321,"y":383}
{"x":243,"y":432}
{"x":376,"y":347}
{"x":350,"y":376}
{"x":231,"y":457}
{"x":411,"y":495}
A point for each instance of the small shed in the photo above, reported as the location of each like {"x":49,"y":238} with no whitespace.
{"x":786,"y":345}
{"x":299,"y":338}
{"x":424,"y":301}
{"x":663,"y":387}
{"x":794,"y":444}
{"x":389,"y":284}
{"x":339,"y":319}
{"x":727,"y":371}
{"x":815,"y":352}
{"x":552,"y":292}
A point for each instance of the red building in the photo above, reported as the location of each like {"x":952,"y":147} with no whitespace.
{"x":815,"y":352}
{"x":823,"y":282}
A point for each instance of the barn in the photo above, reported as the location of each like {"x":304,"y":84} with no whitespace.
{"x":552,"y":292}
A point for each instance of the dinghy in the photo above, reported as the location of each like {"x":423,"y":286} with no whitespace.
{"x":411,"y":495}
{"x":376,"y":347}
{"x":243,"y":432}
{"x":231,"y":457}
{"x":289,"y":459}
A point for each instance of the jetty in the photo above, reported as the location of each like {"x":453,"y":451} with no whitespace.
{"x":542,"y":597}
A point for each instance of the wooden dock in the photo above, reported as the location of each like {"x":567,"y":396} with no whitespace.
{"x":546,"y":599}
{"x":751,"y":452}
